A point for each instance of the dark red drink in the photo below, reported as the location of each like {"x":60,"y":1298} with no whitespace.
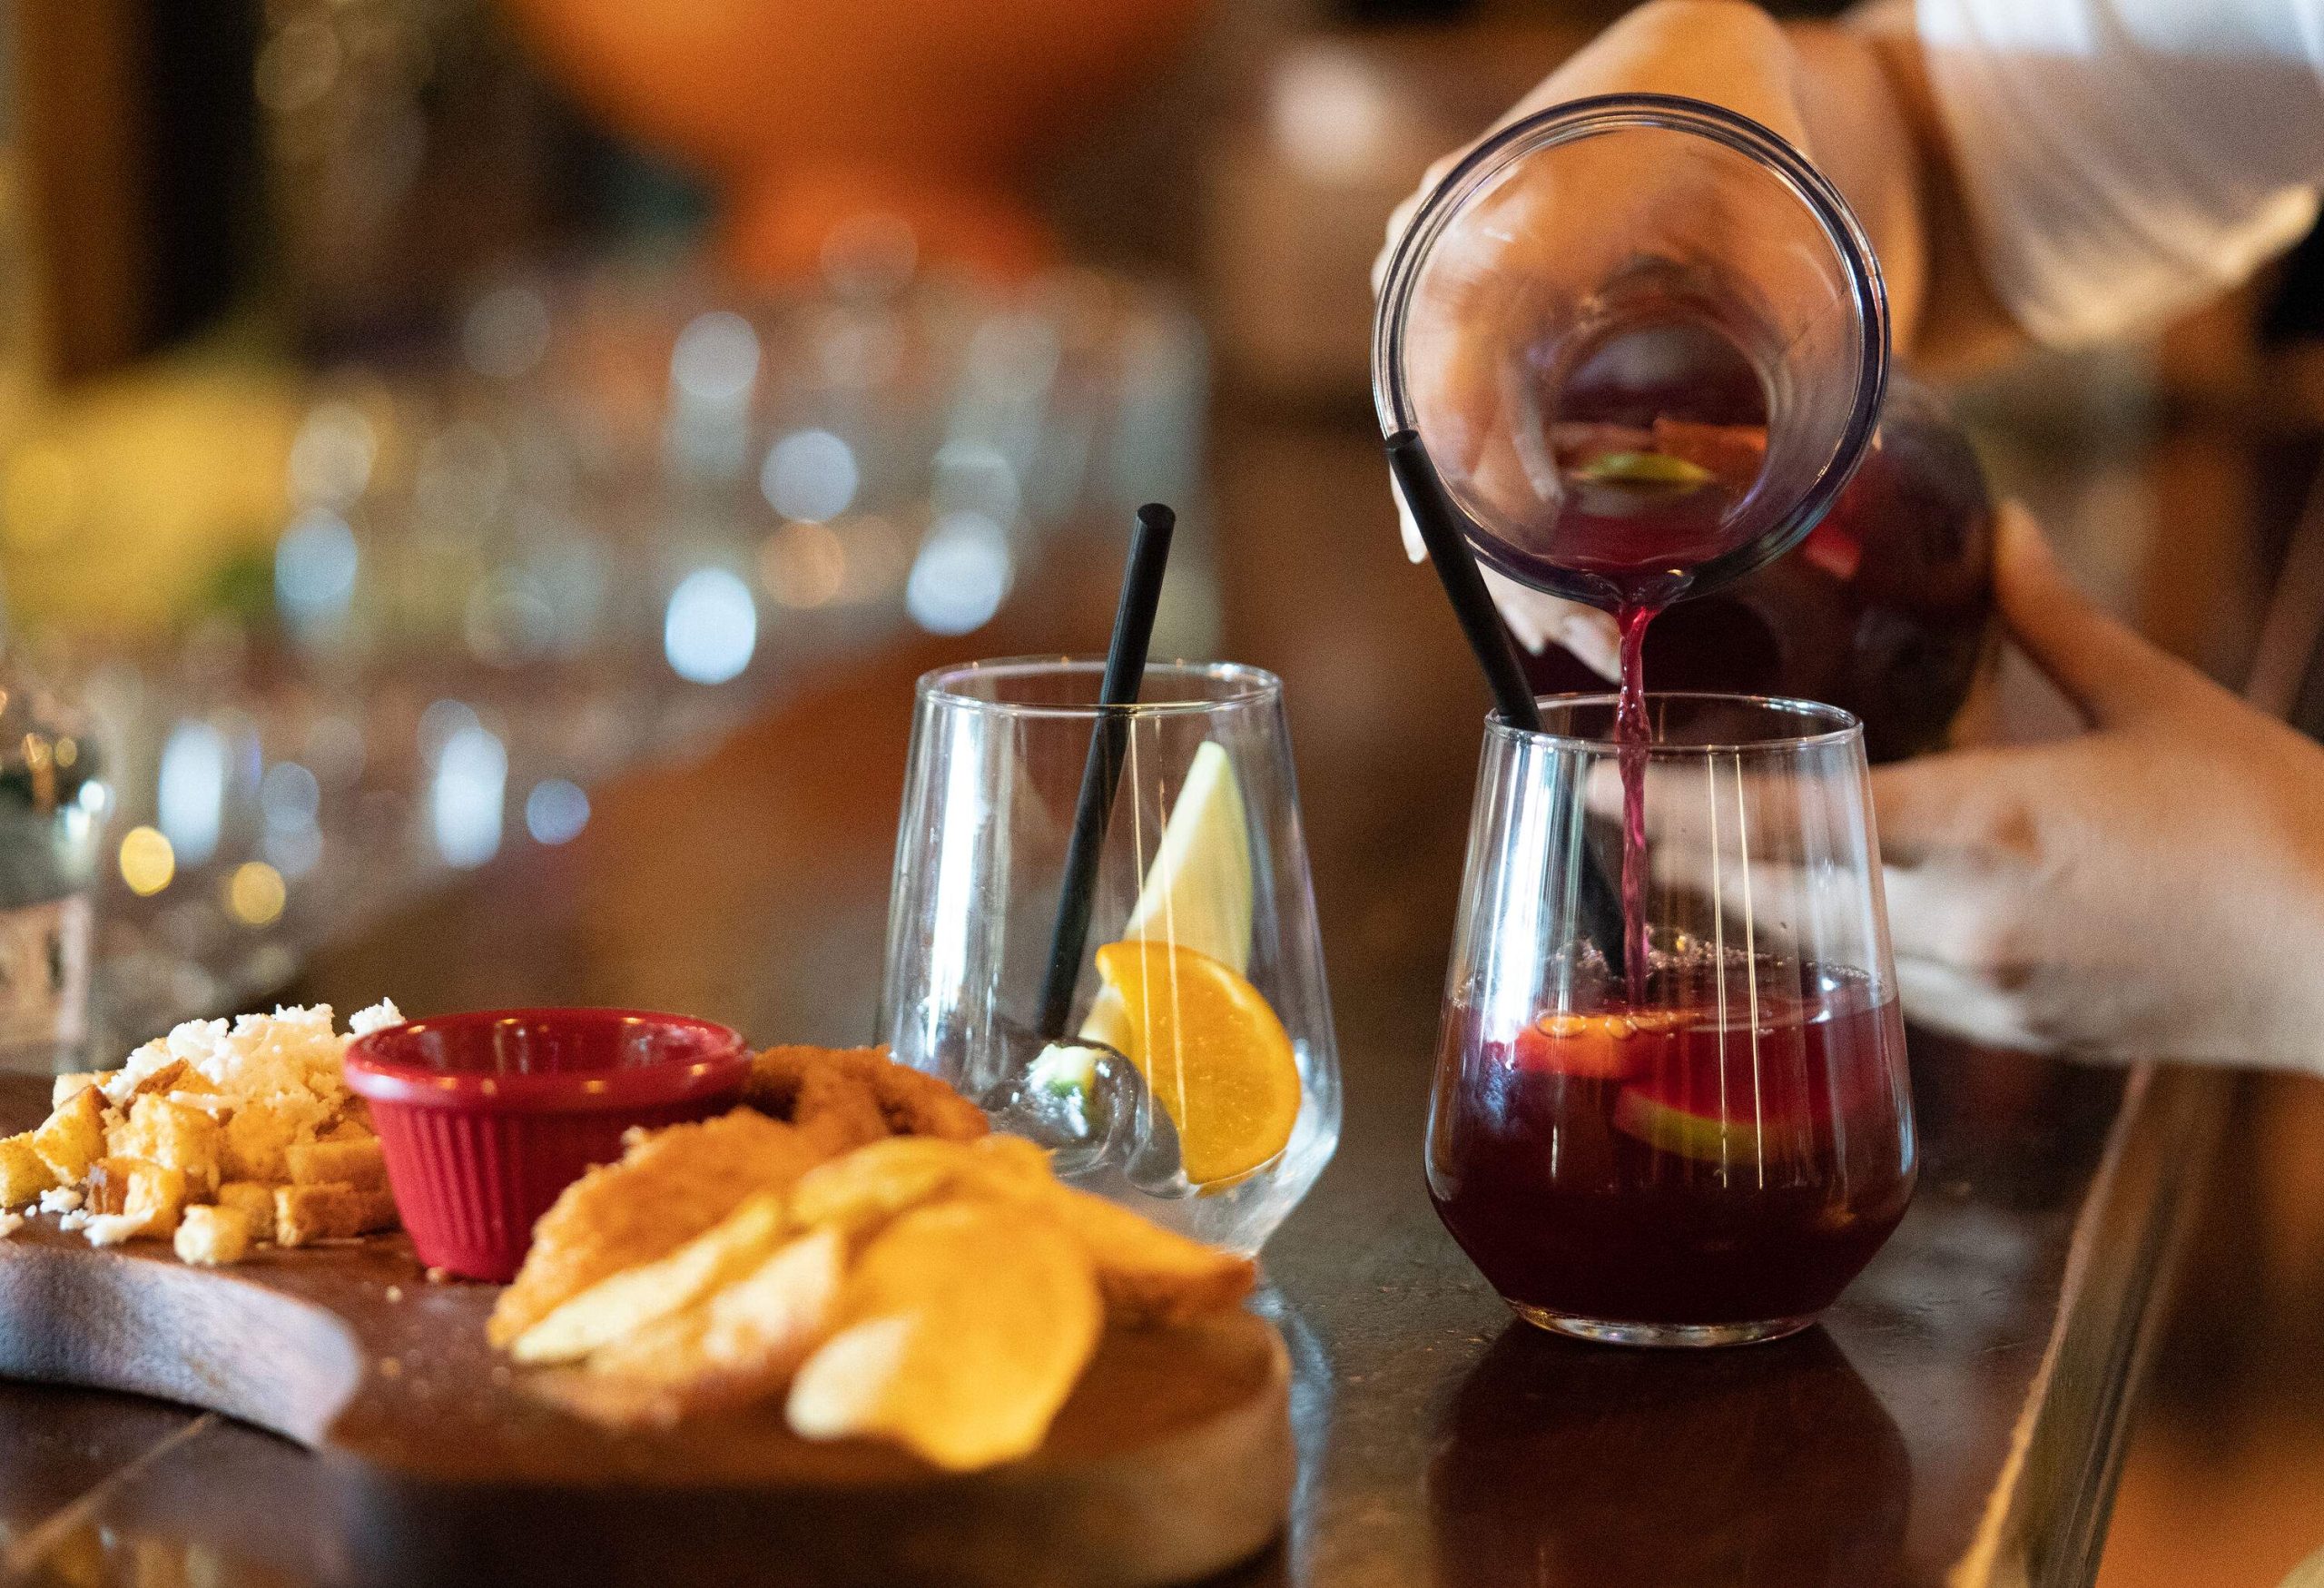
{"x":1650,"y":1166}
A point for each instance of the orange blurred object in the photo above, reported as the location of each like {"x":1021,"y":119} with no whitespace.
{"x":827,"y":120}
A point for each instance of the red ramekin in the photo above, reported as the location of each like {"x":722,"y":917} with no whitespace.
{"x":485,"y":1118}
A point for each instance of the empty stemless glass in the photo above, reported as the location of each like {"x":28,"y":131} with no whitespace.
{"x":1195,"y":1076}
{"x":1710,"y":1155}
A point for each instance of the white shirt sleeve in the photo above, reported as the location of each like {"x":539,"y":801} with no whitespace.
{"x":2122,"y":159}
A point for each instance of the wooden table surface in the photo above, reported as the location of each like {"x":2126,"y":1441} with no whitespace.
{"x":1957,"y":1420}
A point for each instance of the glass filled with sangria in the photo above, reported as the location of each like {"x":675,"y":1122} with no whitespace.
{"x":1703,"y":1143}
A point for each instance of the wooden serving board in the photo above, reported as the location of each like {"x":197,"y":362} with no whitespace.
{"x":1172,"y":1461}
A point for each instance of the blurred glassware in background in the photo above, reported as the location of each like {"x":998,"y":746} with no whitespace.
{"x":54,"y":801}
{"x":623,"y":513}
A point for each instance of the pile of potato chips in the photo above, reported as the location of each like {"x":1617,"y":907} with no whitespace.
{"x":944,"y":1295}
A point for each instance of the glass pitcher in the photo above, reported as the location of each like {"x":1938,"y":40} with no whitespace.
{"x":1643,"y":348}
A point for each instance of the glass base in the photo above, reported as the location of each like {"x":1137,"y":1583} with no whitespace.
{"x":1678,"y":1336}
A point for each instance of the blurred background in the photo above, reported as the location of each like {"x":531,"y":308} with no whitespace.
{"x":414,"y":412}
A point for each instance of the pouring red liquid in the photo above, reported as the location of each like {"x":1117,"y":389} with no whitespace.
{"x":1633,"y":352}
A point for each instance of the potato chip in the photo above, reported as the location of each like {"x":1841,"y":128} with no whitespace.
{"x":668,"y":1188}
{"x":625,"y":1302}
{"x":741,"y":1344}
{"x":963,"y":1328}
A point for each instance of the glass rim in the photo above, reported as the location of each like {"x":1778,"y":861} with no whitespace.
{"x":1593,"y":116}
{"x":1248,"y":686}
{"x":1845,"y":725}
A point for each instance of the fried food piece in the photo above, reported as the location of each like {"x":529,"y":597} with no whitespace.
{"x":963,"y":1329}
{"x":910,"y":1103}
{"x":1146,"y":1273}
{"x":839,"y":1110}
{"x":624,"y":1303}
{"x":73,"y":1136}
{"x":211,"y":1236}
{"x":23,"y":1176}
{"x":669,"y":1187}
{"x":311,"y":1213}
{"x":739,"y":1344}
{"x":344,"y":1163}
{"x":864,"y":1190}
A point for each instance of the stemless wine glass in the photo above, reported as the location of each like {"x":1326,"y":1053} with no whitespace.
{"x":1705,"y":1149}
{"x":1192,"y":1071}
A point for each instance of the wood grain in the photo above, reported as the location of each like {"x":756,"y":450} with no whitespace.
{"x":1173,"y":1460}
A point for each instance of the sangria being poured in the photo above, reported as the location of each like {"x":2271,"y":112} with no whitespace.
{"x":1638,"y":348}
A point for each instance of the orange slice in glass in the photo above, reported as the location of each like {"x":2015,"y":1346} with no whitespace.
{"x":1213,"y":1055}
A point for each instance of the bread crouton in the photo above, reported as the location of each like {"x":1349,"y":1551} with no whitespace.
{"x":253,"y":1197}
{"x":211,"y":1236}
{"x":313,"y":1213}
{"x":61,"y":1091}
{"x":165,"y":1132}
{"x":73,"y":1136}
{"x":22,"y":1174}
{"x":342,"y":1163}
{"x":256,"y":1139}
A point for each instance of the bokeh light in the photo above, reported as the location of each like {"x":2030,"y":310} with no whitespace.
{"x":555,"y":811}
{"x":191,"y":793}
{"x":504,"y":333}
{"x":712,"y":626}
{"x":147,"y":861}
{"x":716,"y":360}
{"x":255,"y":894}
{"x":466,"y":796}
{"x":315,"y":564}
{"x":332,"y":455}
{"x":803,"y":564}
{"x":960,"y":576}
{"x":810,"y":474}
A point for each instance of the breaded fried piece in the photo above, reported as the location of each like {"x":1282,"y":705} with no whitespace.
{"x":837,"y":1106}
{"x":669,"y":1187}
{"x":910,"y":1102}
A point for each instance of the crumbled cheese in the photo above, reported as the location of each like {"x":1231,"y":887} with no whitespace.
{"x":10,"y":1223}
{"x":113,"y":1228}
{"x":60,"y":1199}
{"x":77,"y":1218}
{"x":289,"y":1062}
{"x":378,"y":1018}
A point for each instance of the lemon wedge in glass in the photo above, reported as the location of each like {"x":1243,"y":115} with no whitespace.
{"x":1197,"y":893}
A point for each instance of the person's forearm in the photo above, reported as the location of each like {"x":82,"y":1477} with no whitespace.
{"x":1959,"y":322}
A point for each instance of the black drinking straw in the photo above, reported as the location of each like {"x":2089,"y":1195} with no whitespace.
{"x":1149,"y":551}
{"x":1456,"y":568}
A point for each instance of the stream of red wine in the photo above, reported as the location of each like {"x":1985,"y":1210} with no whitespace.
{"x":1632,"y":735}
